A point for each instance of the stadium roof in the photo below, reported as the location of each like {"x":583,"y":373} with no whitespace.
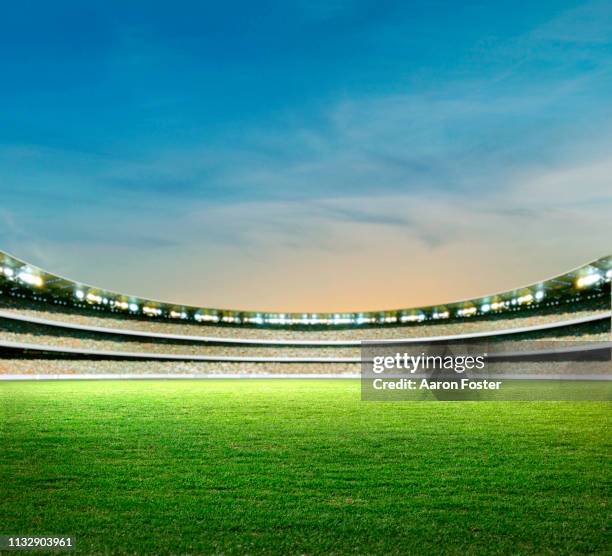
{"x":18,"y":274}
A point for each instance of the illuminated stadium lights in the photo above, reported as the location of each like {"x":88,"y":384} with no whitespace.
{"x":413,"y":318}
{"x":362,"y":319}
{"x":339,"y":319}
{"x":30,"y":279}
{"x":257,"y":319}
{"x":93,"y":298}
{"x":441,"y":315}
{"x":588,"y":280}
{"x":555,"y":291}
{"x":278,"y":319}
{"x":205,"y":317}
{"x":151,"y":311}
{"x":231,"y":319}
{"x":467,"y":312}
{"x":525,"y":299}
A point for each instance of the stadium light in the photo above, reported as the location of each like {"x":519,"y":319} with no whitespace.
{"x":467,"y":312}
{"x":609,"y":274}
{"x":93,"y":298}
{"x":588,"y":280}
{"x":30,"y":279}
{"x":362,"y":319}
{"x":420,"y":317}
{"x":8,"y":272}
{"x":441,"y":315}
{"x":79,"y":295}
{"x":485,"y":308}
{"x":539,"y":295}
{"x":133,"y":307}
{"x":339,"y":319}
{"x":206,"y":318}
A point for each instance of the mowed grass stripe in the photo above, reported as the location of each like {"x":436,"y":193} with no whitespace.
{"x":299,"y":466}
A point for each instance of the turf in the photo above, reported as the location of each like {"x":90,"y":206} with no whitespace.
{"x":299,"y":467}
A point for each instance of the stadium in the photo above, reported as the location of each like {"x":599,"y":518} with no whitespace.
{"x":79,"y":329}
{"x":305,"y":278}
{"x":300,"y":465}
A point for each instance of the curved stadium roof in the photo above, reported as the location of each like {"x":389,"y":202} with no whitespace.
{"x":18,"y":274}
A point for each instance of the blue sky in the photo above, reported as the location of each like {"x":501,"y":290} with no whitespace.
{"x":306,"y":155}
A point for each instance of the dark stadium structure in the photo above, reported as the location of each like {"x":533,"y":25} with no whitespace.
{"x":53,"y":326}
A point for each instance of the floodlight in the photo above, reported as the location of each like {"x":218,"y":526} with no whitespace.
{"x":588,"y":280}
{"x":412,"y":318}
{"x":467,"y":312}
{"x":30,"y":279}
{"x":93,"y":298}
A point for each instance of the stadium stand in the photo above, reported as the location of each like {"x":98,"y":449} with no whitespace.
{"x":52,"y":326}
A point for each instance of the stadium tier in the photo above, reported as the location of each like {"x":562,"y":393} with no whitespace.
{"x":54,"y":326}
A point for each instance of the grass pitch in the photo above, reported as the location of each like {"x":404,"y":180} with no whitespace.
{"x":299,"y":467}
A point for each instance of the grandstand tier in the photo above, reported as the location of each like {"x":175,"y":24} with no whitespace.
{"x":51,"y":326}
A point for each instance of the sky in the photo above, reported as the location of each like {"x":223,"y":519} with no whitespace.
{"x":306,"y":155}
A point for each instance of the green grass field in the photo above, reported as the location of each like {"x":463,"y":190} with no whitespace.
{"x":299,"y":467}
